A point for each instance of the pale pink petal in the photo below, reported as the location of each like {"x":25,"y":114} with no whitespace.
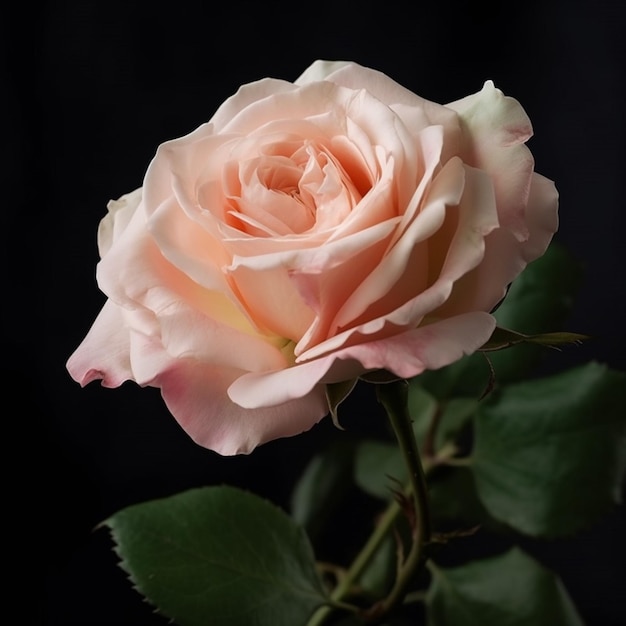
{"x":367,"y":114}
{"x":182,"y":167}
{"x":402,"y":272}
{"x":148,"y":358}
{"x":325,"y":291}
{"x":271,"y":299}
{"x":131,"y":265}
{"x":188,"y":247}
{"x":496,"y":129}
{"x":104,"y":352}
{"x":247,"y":95}
{"x":196,"y":396}
{"x":406,"y":355}
{"x":286,"y":102}
{"x":541,"y":216}
{"x":477,"y":217}
{"x":505,"y":256}
{"x":283,"y":291}
{"x":462,"y":249}
{"x":319,"y":70}
{"x":407,"y":316}
{"x":417,"y":113}
{"x":188,"y":333}
{"x":320,"y":257}
{"x":114,"y":223}
{"x":135,"y":274}
{"x":378,"y":204}
{"x":158,"y":179}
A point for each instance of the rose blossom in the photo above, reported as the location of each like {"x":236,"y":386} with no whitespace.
{"x":311,"y":232}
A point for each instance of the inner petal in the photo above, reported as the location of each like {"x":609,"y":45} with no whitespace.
{"x":288,"y":189}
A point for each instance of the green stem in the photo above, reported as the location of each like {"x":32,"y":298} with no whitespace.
{"x":394,"y":397}
{"x":360,"y":563}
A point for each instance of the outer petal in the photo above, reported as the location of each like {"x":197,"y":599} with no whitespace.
{"x":104,"y":352}
{"x":416,"y":112}
{"x":246,"y":95}
{"x":186,"y":318}
{"x":319,"y":70}
{"x":541,"y":216}
{"x":406,"y":355}
{"x":196,"y":396}
{"x":114,"y":223}
{"x":505,"y":256}
{"x":496,"y":129}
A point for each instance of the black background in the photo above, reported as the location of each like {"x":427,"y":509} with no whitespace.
{"x":92,"y":88}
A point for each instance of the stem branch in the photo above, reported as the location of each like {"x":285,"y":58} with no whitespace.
{"x":394,"y":397}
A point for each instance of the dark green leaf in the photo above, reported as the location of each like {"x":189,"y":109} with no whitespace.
{"x":454,"y":501}
{"x":541,"y":297}
{"x":549,"y":454}
{"x":322,"y":486}
{"x":455,"y":416}
{"x":381,"y":570}
{"x":379,"y":469}
{"x":390,"y":620}
{"x":218,"y":555}
{"x":507,"y":590}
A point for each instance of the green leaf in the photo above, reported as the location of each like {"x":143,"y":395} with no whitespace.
{"x":321,"y":487}
{"x":380,"y":573}
{"x":379,"y":468}
{"x":389,"y":620}
{"x":549,"y":454}
{"x":511,"y":589}
{"x":454,"y":501}
{"x":456,"y":415}
{"x":541,"y":297}
{"x":218,"y":555}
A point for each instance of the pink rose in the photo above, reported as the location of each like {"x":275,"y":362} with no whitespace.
{"x":309,"y":233}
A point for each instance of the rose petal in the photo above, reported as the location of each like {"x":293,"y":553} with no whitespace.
{"x":247,"y":95}
{"x":505,"y":256}
{"x":114,"y":223}
{"x":406,"y":355}
{"x":319,"y":70}
{"x":104,"y":352}
{"x":542,"y":217}
{"x":463,"y":248}
{"x":496,"y":129}
{"x":190,"y":248}
{"x":406,"y":253}
{"x":416,"y":112}
{"x":196,"y":396}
